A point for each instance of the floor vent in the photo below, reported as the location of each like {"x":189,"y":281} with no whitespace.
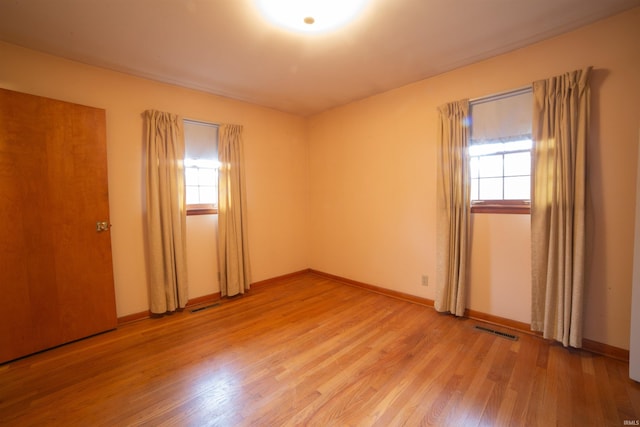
{"x":195,"y":310}
{"x":498,"y":333}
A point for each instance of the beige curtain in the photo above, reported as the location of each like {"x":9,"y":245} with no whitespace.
{"x":453,"y":208}
{"x":166,"y":215}
{"x":233,"y":247}
{"x":560,"y":125}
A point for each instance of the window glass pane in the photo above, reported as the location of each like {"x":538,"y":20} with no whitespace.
{"x":473,"y":167}
{"x":517,"y":188}
{"x":517,"y":164}
{"x":191,"y":176}
{"x":192,"y":195}
{"x":490,"y":188}
{"x":206,"y":176}
{"x":201,"y":185}
{"x":474,"y":189}
{"x":490,"y":166}
{"x":208,"y":195}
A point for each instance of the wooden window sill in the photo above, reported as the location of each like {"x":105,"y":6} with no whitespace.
{"x":502,"y":207}
{"x":201,"y":210}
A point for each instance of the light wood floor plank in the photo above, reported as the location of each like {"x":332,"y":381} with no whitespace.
{"x":307,"y":350}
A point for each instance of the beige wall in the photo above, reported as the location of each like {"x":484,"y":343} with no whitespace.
{"x":275,"y":150}
{"x":373,"y":174}
{"x":202,"y":255}
{"x":351,"y":191}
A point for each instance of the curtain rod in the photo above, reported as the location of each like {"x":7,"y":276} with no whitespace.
{"x":501,"y":95}
{"x":200,"y":122}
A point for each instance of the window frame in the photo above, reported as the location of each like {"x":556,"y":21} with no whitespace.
{"x":199,"y":208}
{"x":501,"y":206}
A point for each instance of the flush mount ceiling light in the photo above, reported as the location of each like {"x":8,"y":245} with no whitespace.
{"x":310,"y":16}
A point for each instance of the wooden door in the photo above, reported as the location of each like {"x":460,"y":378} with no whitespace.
{"x":56,"y":276}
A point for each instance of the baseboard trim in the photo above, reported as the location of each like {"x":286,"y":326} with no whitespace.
{"x":277,"y":279}
{"x":134,"y":317}
{"x":388,"y":292}
{"x":605,"y":350}
{"x":588,"y":345}
{"x":500,"y":321}
{"x":205,"y":299}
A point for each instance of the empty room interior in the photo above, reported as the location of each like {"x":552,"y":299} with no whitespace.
{"x":214,"y":213}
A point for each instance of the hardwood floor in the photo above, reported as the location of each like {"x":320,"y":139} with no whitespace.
{"x":311,"y":351}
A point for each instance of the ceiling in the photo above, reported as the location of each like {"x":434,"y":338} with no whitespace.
{"x":225,"y":47}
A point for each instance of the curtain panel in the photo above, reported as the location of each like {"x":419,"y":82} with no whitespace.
{"x":560,"y":125}
{"x":166,"y":213}
{"x":233,"y":240}
{"x":453,"y":208}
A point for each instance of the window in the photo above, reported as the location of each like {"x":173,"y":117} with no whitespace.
{"x":500,"y":153}
{"x":201,"y":167}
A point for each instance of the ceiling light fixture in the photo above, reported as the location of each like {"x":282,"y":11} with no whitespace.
{"x":310,"y":16}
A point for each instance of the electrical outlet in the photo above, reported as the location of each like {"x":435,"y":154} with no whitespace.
{"x":425,"y":280}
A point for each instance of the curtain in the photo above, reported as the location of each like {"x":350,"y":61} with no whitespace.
{"x":453,"y":208}
{"x":233,"y":247}
{"x":166,"y":215}
{"x":560,"y":125}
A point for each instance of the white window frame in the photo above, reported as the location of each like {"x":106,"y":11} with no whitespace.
{"x":196,"y":166}
{"x":498,"y":205}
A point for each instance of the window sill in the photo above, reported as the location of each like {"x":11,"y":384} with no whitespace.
{"x":501,"y":207}
{"x":201,"y":210}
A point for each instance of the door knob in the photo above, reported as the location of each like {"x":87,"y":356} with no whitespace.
{"x":102,"y":226}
